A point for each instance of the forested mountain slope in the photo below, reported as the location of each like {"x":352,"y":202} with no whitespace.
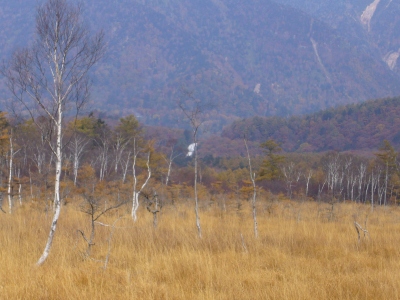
{"x":377,"y":20}
{"x":245,"y":57}
{"x":352,"y":127}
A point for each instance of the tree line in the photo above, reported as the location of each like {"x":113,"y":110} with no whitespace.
{"x":351,"y":127}
{"x":51,"y":155}
{"x":121,"y":153}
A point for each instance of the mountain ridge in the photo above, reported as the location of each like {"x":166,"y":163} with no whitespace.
{"x":361,"y":126}
{"x":249,"y":58}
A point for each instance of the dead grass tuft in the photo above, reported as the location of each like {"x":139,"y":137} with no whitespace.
{"x":300,"y":254}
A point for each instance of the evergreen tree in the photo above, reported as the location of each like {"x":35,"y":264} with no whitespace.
{"x":271,"y":166}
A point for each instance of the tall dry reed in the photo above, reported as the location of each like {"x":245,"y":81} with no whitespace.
{"x":304,"y":251}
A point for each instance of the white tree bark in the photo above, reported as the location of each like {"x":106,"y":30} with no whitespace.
{"x":30,"y":181}
{"x":308,"y":178}
{"x":196,"y":198}
{"x":136,"y":194}
{"x":254,"y":199}
{"x":125,"y":165}
{"x":347,"y":170}
{"x":10,"y":174}
{"x":386,"y":183}
{"x":119,"y":147}
{"x":361,"y":174}
{"x":51,"y":76}
{"x":103,"y":158}
{"x":57,"y":200}
{"x":77,"y":147}
{"x":194,"y":116}
{"x":169,"y":162}
{"x":374,"y":183}
{"x":291,"y":176}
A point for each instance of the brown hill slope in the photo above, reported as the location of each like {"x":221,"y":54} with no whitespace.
{"x":248,"y":58}
{"x":352,"y":127}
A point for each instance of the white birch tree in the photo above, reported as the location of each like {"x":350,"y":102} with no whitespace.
{"x":308,"y":177}
{"x":292,"y":177}
{"x":103,"y":142}
{"x":10,"y":171}
{"x":77,"y":147}
{"x":136,"y":192}
{"x":254,"y":198}
{"x":169,"y":161}
{"x":51,"y":77}
{"x":194,"y":112}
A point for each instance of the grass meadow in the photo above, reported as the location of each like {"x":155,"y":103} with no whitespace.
{"x":304,"y":251}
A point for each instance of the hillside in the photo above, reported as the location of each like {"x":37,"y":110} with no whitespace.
{"x":351,"y":127}
{"x":378,"y":21}
{"x":247,"y":58}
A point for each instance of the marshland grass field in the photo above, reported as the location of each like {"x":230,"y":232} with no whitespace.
{"x":304,"y":251}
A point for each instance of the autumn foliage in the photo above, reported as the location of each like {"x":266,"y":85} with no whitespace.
{"x":307,"y":207}
{"x":351,"y":127}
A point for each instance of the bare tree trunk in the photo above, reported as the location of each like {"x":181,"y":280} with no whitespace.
{"x":309,"y":175}
{"x":125,"y":166}
{"x":119,"y":148}
{"x":194,"y":115}
{"x":136,"y":194}
{"x":386,"y":183}
{"x":353,"y":182}
{"x":20,"y":193}
{"x":103,"y":158}
{"x":156,"y":209}
{"x":254,"y":199}
{"x":39,"y":159}
{"x":18,"y":176}
{"x":169,"y":170}
{"x":1,"y":184}
{"x":169,"y":162}
{"x":320,"y":189}
{"x":373,"y":182}
{"x":347,"y":169}
{"x":135,"y":198}
{"x":196,"y":199}
{"x":30,"y":181}
{"x":52,"y":76}
{"x":381,"y":190}
{"x":368,"y":182}
{"x":57,"y":201}
{"x":362,"y":169}
{"x":10,"y":174}
{"x":77,"y":147}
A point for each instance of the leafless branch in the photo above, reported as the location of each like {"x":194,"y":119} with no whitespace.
{"x":84,"y":237}
{"x":358,"y":229}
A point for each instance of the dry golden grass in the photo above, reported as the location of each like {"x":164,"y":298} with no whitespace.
{"x":303,"y":252}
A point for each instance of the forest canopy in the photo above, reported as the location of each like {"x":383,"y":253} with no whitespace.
{"x":352,"y":127}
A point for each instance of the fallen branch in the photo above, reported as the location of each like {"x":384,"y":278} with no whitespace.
{"x":111,"y":225}
{"x":109,"y":242}
{"x":358,"y":229}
